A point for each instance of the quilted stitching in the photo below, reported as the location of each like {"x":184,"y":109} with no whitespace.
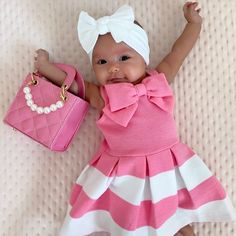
{"x":43,"y":127}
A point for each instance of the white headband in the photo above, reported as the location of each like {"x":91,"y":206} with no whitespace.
{"x":121,"y":26}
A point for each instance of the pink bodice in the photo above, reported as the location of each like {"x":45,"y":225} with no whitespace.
{"x":138,"y":119}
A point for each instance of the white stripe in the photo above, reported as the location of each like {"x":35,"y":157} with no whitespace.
{"x":101,"y":221}
{"x":94,"y":182}
{"x":155,"y":188}
{"x":194,"y":170}
{"x":134,"y":190}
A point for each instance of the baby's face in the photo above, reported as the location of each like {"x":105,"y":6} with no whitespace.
{"x":116,"y":62}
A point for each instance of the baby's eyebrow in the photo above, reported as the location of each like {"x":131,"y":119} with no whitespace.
{"x":122,"y":51}
{"x":97,"y":57}
{"x":128,"y":52}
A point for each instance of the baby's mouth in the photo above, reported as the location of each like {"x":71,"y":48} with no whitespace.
{"x":116,"y":80}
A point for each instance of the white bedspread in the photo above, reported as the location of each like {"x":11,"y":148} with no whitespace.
{"x":34,"y":182}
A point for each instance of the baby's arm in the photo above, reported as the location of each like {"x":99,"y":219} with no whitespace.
{"x":57,"y":76}
{"x":171,"y":63}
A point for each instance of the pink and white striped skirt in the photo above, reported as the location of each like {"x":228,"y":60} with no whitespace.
{"x":148,"y":195}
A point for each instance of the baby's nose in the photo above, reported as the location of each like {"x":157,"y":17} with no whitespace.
{"x":114,"y":68}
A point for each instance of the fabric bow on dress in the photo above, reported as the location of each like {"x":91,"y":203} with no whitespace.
{"x":123,"y":98}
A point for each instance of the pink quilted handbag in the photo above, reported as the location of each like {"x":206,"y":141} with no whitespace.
{"x":48,"y":114}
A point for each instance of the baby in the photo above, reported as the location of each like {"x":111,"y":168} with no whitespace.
{"x":143,"y":180}
{"x":169,"y":65}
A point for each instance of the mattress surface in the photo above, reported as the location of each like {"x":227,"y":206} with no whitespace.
{"x":35,"y":182}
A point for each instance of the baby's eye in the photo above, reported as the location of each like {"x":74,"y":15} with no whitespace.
{"x":102,"y":61}
{"x":124,"y":58}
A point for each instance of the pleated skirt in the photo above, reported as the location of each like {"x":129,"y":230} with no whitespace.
{"x":146,"y":195}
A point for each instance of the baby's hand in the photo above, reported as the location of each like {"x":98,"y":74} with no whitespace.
{"x":41,"y":58}
{"x":191,"y":13}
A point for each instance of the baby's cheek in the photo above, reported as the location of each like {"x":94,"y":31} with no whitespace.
{"x":101,"y":79}
{"x":138,"y":74}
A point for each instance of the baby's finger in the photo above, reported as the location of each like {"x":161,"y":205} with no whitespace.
{"x":36,"y":65}
{"x":189,"y":4}
{"x":35,"y":55}
{"x":198,"y":10}
{"x":41,"y":51}
{"x":193,"y":6}
{"x":186,"y":5}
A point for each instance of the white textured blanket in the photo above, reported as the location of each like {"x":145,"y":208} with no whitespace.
{"x":34,"y":182}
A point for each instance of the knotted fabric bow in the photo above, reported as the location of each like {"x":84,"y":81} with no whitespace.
{"x":123,"y":98}
{"x":121,"y":26}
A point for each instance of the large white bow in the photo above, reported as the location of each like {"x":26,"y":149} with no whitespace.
{"x":120,"y":25}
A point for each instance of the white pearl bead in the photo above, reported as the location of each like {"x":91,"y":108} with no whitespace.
{"x":53,"y":107}
{"x":33,"y":107}
{"x":59,"y":104}
{"x":26,"y":90}
{"x":29,"y":103}
{"x":46,"y":110}
{"x":39,"y":110}
{"x":28,"y":96}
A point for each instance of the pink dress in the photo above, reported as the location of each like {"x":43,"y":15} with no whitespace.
{"x":143,"y":181}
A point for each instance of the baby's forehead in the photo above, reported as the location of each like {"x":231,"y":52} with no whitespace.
{"x":106,"y":45}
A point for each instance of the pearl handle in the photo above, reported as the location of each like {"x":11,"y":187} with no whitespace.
{"x":40,"y":110}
